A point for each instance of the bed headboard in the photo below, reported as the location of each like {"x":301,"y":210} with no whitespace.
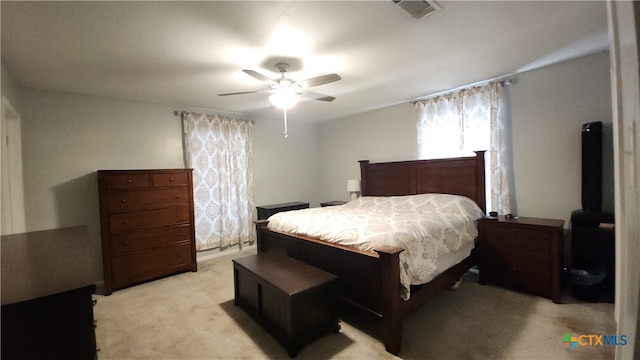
{"x":459,"y":176}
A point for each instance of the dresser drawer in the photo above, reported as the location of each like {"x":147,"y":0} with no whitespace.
{"x":148,"y":219}
{"x":147,"y":265}
{"x":170,"y":179}
{"x":127,"y":243}
{"x":128,"y":181}
{"x":147,"y":199}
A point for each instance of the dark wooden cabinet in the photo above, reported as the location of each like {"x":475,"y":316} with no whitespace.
{"x":265,"y":211}
{"x":523,"y":253}
{"x":593,"y":241}
{"x":47,"y":286}
{"x":293,"y":300}
{"x":58,"y":326}
{"x":147,"y":225}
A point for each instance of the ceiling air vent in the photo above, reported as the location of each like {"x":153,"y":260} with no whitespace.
{"x":418,"y":8}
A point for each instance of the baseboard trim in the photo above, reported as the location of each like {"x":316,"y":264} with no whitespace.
{"x":216,"y":253}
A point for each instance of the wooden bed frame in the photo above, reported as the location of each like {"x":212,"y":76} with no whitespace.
{"x":371,"y":280}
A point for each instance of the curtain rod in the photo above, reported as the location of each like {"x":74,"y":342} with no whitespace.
{"x":181,"y":112}
{"x":505,"y":80}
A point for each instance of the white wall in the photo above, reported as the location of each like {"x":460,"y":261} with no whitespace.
{"x":68,"y":137}
{"x":286,"y":170}
{"x":10,"y":89}
{"x":382,"y":135}
{"x":549,"y":106}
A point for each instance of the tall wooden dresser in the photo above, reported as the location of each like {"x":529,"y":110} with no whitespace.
{"x":147,"y":225}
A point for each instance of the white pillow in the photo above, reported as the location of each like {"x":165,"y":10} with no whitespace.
{"x":442,"y":203}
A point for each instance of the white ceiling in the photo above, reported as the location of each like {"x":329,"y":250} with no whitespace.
{"x":185,"y":53}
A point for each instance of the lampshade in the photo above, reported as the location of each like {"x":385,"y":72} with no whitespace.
{"x":284,"y":99}
{"x":353,"y":185}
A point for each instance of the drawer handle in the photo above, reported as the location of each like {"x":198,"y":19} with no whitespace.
{"x":177,"y":196}
{"x":124,"y":200}
{"x":129,"y":181}
{"x":170,"y":179}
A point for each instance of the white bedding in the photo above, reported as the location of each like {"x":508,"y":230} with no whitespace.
{"x":434,"y":229}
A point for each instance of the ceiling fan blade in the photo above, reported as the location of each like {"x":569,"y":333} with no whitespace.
{"x":320,"y":80}
{"x":242,"y":92}
{"x":258,"y":76}
{"x":317,"y":96}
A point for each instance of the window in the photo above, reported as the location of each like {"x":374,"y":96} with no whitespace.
{"x":461,"y":122}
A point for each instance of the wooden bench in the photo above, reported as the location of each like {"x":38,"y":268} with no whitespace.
{"x":294,"y":301}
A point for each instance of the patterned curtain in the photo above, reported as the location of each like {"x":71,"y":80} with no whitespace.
{"x":218,"y":149}
{"x":460,"y":122}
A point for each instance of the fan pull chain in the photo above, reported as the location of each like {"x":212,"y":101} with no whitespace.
{"x":286,"y":134}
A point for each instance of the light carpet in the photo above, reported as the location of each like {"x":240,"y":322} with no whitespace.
{"x":192,"y":316}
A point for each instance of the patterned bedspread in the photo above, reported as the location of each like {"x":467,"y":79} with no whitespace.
{"x":427,"y":226}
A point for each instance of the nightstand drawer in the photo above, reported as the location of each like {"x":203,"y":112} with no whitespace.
{"x":502,"y":228}
{"x":514,"y":258}
{"x":521,"y":241}
{"x":521,"y":278}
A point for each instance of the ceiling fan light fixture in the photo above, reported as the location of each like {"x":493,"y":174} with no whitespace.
{"x":284,"y":99}
{"x":287,"y":92}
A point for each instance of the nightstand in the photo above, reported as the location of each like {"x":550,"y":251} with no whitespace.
{"x":522,"y":253}
{"x":333,"y":203}
{"x":267,"y":210}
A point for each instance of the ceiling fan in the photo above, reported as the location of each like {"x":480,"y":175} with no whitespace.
{"x":285,"y":91}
